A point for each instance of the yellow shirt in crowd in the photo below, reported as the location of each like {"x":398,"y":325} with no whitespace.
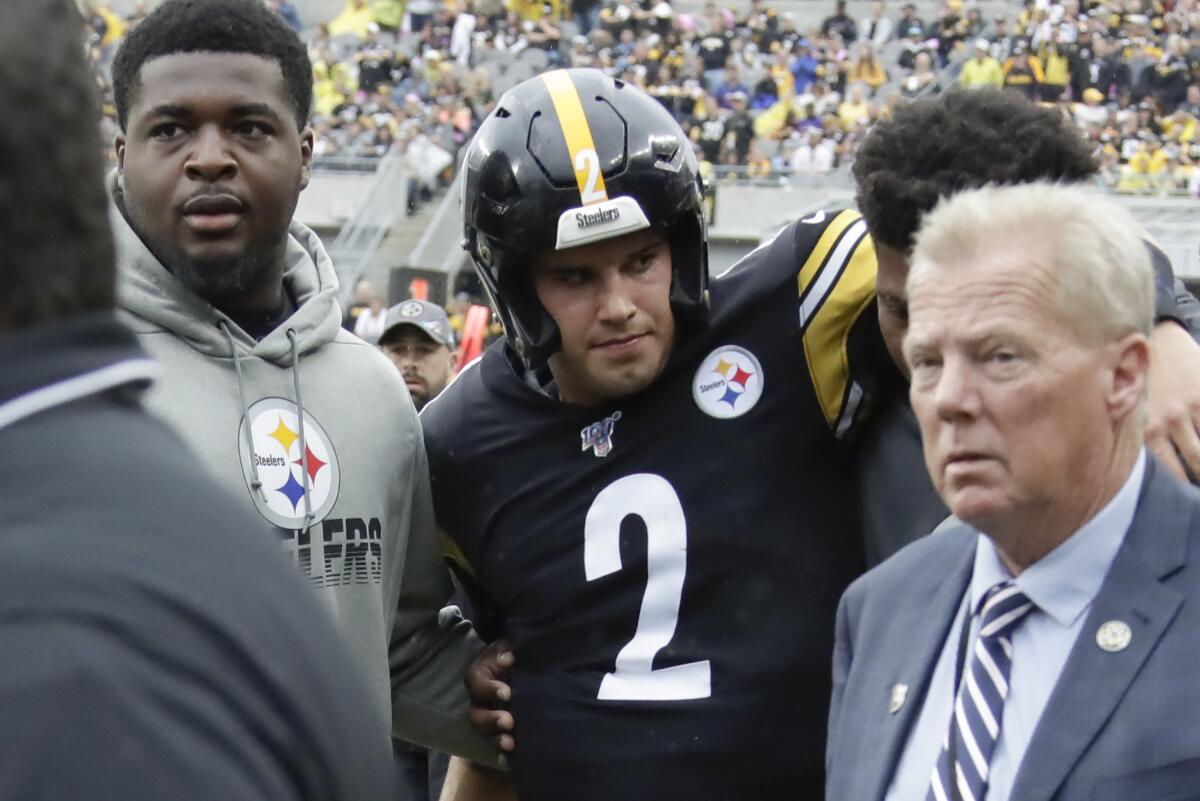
{"x":982,"y":72}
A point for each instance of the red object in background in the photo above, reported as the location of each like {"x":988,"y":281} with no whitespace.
{"x":474,"y":330}
{"x":418,"y":289}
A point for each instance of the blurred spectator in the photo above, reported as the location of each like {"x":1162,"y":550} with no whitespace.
{"x":840,"y":24}
{"x":1104,"y":69}
{"x":758,"y":166}
{"x":731,"y":85}
{"x":914,"y":42}
{"x":923,"y":79}
{"x":762,"y":22}
{"x":1090,"y":111}
{"x":1169,"y":79}
{"x":368,"y":325}
{"x":707,"y":128}
{"x":876,"y":28}
{"x":586,"y":14}
{"x":359,"y":302}
{"x":781,"y":73}
{"x":949,"y":29}
{"x":867,"y":70}
{"x":815,"y":155}
{"x":909,"y":23}
{"x":106,"y":22}
{"x":1001,"y":42}
{"x":982,"y":69}
{"x":805,"y":67}
{"x":354,"y":20}
{"x":1148,"y":118}
{"x":1056,"y":68}
{"x":972,"y":24}
{"x":739,"y":127}
{"x":1023,"y":71}
{"x":855,"y":107}
{"x":714,"y":48}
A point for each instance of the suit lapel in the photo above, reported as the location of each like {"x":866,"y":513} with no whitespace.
{"x":1093,"y":681}
{"x":920,"y":643}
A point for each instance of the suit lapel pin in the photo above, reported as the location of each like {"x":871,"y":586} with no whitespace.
{"x":1113,"y":636}
{"x":899,"y":693}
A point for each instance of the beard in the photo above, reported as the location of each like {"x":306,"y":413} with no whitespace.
{"x":216,"y":280}
{"x":221,"y":279}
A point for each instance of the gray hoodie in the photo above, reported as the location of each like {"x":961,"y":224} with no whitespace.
{"x":334,"y":463}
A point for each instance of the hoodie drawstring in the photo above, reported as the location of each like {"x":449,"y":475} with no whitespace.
{"x":255,"y":481}
{"x":308,"y":513}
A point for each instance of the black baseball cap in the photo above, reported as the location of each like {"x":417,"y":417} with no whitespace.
{"x":430,"y":318}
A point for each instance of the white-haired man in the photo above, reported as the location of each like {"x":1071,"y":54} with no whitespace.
{"x":1063,"y":606}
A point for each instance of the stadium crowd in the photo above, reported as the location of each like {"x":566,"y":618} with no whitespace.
{"x":759,"y":96}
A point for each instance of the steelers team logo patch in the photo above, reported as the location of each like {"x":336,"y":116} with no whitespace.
{"x":282,"y":468}
{"x":411,"y":308}
{"x":728,"y":383}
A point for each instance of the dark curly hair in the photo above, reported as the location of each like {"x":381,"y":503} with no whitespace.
{"x":213,"y":26}
{"x":962,"y":139}
{"x":56,"y":249}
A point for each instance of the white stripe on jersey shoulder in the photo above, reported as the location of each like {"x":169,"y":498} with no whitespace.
{"x":72,"y":389}
{"x":468,"y":366}
{"x":831,"y":270}
{"x":766,"y":243}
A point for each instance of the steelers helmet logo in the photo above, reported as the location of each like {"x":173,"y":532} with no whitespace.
{"x":411,"y":308}
{"x":728,"y":383}
{"x":288,"y":469}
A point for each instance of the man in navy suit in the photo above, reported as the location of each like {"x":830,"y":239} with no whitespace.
{"x":1042,"y":644}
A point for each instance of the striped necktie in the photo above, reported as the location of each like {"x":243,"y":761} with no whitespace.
{"x":979,"y":703}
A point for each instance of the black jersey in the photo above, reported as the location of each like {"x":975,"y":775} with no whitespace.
{"x":668,"y":567}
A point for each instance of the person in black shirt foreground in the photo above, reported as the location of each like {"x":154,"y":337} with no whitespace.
{"x":155,"y":643}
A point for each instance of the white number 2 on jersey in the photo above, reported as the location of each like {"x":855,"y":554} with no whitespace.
{"x":654,"y":500}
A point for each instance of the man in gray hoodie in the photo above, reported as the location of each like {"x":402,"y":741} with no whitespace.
{"x":150,"y":649}
{"x":310,"y":426}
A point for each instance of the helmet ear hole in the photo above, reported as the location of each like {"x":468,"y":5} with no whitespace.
{"x":666,"y":152}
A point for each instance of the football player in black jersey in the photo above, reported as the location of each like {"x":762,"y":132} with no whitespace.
{"x":646,"y":478}
{"x":709,"y":434}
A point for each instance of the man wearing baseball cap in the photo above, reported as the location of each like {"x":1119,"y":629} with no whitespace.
{"x":418,"y":339}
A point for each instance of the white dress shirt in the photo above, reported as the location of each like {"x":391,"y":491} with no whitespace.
{"x":1061,"y":585}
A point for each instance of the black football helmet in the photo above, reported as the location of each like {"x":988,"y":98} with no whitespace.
{"x":571,"y":157}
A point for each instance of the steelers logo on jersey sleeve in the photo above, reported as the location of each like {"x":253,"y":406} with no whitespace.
{"x":284,"y":472}
{"x":728,"y":383}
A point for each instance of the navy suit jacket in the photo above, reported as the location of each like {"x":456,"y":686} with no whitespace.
{"x":1118,"y":726}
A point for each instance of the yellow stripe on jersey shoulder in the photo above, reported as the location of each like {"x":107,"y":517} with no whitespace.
{"x":578,"y":135}
{"x":837,"y":283}
{"x":817,"y":256}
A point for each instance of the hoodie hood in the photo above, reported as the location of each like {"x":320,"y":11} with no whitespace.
{"x":149,"y":291}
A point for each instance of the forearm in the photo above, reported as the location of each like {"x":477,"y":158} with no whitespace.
{"x":431,"y":646}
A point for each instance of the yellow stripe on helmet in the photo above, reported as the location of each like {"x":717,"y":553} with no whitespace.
{"x":578,"y":135}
